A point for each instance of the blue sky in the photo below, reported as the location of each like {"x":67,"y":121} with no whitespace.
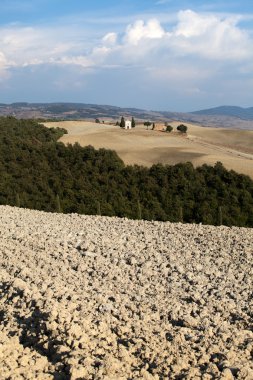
{"x":153,"y":54}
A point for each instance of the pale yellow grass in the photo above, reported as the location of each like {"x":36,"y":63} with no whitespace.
{"x":202,"y":145}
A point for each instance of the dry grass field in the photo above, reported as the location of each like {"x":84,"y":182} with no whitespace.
{"x":234,"y":148}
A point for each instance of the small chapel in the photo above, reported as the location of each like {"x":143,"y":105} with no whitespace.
{"x":128,"y":124}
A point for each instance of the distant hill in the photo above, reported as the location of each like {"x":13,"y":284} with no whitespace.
{"x":225,"y":117}
{"x":232,"y":111}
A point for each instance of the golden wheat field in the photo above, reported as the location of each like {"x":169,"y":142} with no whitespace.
{"x":201,"y":145}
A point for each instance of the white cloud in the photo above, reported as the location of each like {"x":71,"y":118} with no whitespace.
{"x":3,"y":61}
{"x":139,"y":30}
{"x":211,"y":37}
{"x":192,"y":24}
{"x":3,"y":67}
{"x":24,"y":46}
{"x":110,"y":39}
{"x":77,"y":60}
{"x":195,"y":39}
{"x":202,"y":36}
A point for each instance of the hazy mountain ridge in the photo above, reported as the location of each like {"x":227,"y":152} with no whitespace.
{"x":225,"y":116}
{"x":233,"y":111}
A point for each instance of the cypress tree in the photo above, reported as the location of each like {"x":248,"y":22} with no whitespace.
{"x":122,"y":122}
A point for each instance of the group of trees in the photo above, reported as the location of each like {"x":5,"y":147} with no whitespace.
{"x":122,"y":123}
{"x":97,"y":121}
{"x":181,"y":128}
{"x":148,"y":124}
{"x":38,"y":172}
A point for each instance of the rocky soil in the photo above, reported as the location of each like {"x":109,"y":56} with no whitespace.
{"x":85,"y":297}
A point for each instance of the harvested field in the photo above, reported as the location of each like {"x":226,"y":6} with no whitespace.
{"x":202,"y":145}
{"x":86,"y":297}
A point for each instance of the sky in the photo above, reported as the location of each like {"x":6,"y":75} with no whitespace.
{"x":170,"y":55}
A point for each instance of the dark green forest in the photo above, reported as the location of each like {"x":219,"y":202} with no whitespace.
{"x":40,"y":173}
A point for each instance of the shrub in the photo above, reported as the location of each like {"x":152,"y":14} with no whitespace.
{"x":182,"y":128}
{"x":169,"y":128}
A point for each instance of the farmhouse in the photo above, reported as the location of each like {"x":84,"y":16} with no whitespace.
{"x":128,"y":124}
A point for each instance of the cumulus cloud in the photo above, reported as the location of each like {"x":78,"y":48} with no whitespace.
{"x":139,"y":31}
{"x":185,"y":53}
{"x":203,"y":36}
{"x":3,"y":66}
{"x":24,"y":46}
{"x":3,"y":60}
{"x":192,"y":24}
{"x":195,"y":38}
{"x":211,"y":36}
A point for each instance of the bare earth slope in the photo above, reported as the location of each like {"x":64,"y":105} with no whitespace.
{"x":202,"y":145}
{"x":87,"y":297}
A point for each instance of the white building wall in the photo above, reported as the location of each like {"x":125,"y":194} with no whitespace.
{"x":128,"y":124}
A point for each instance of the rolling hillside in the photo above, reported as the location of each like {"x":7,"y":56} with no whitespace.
{"x":79,"y":111}
{"x":234,"y":148}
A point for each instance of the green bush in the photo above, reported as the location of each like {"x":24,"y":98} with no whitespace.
{"x":182,"y":128}
{"x":169,"y":128}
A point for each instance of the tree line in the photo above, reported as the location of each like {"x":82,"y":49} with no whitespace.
{"x":38,"y":172}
